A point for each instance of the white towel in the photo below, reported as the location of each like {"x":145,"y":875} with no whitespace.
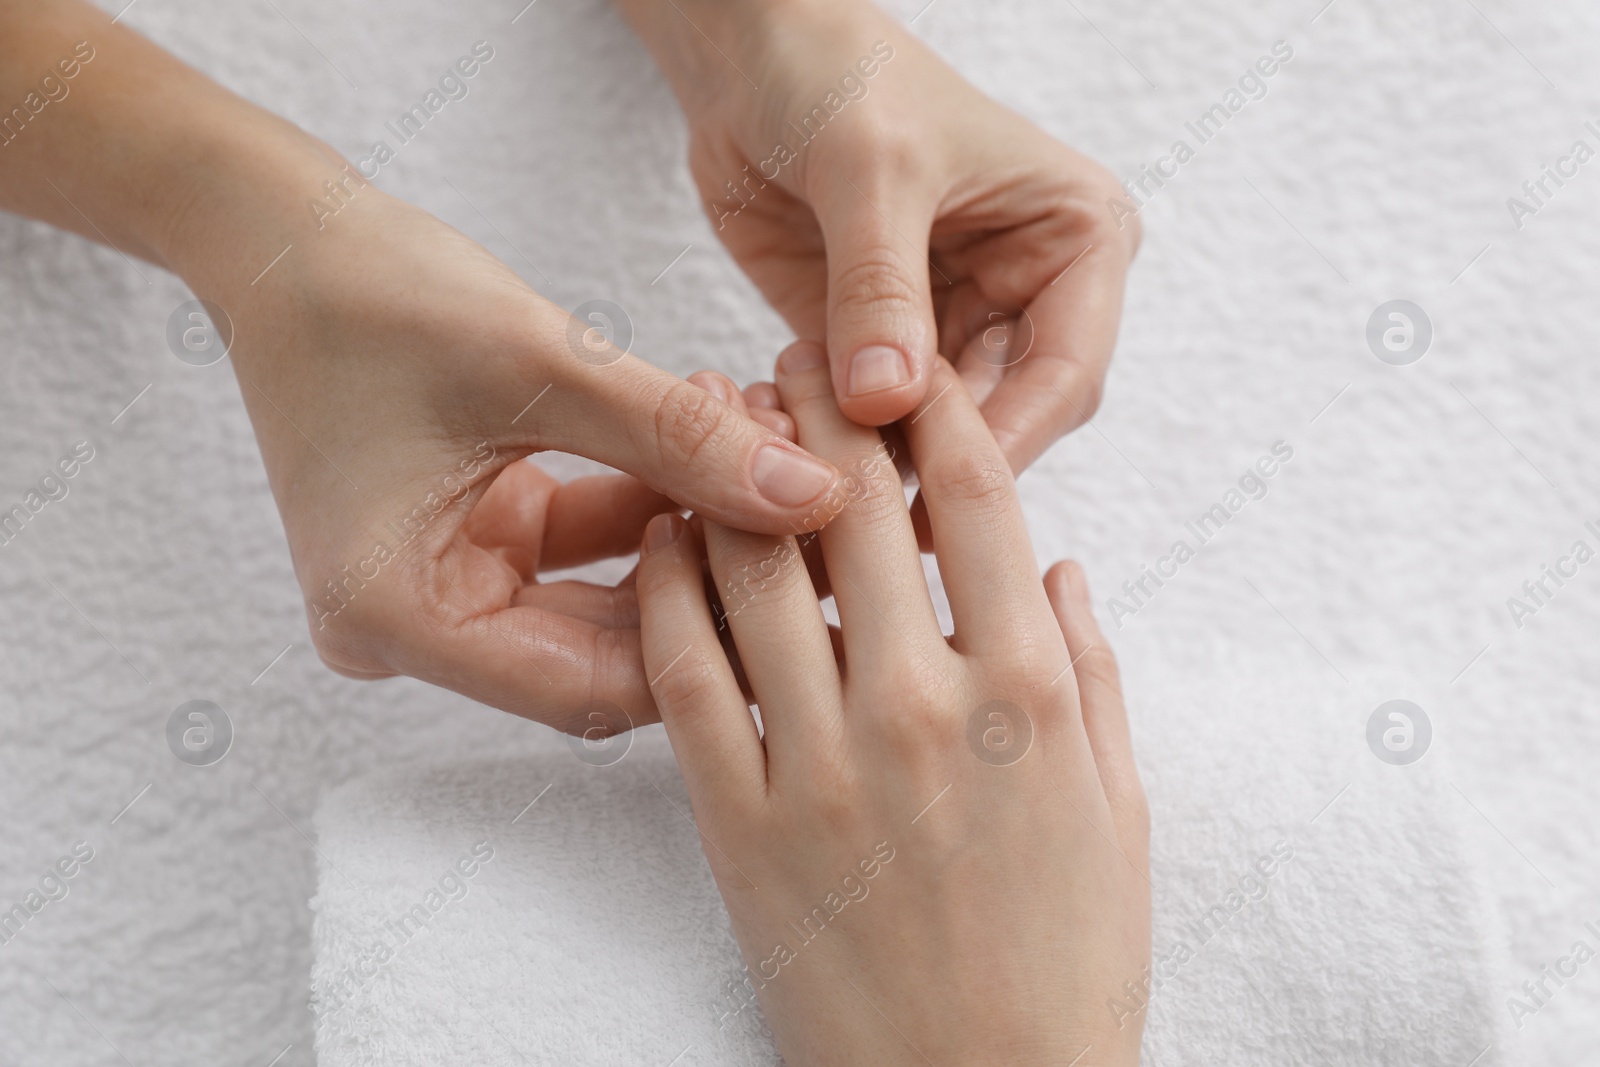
{"x":1417,"y":503}
{"x":1300,"y":918}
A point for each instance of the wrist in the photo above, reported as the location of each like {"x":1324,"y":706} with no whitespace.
{"x":707,"y":47}
{"x":243,"y":190}
{"x":138,"y":146}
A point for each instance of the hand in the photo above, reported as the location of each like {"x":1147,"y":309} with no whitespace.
{"x":884,"y":205}
{"x":938,"y":852}
{"x":396,"y":375}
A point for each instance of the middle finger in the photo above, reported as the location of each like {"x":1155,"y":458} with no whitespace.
{"x":868,"y":544}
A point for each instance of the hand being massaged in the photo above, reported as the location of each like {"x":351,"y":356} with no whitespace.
{"x":933,"y":850}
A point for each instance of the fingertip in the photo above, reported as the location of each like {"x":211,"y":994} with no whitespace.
{"x":879,"y":383}
{"x":660,"y":532}
{"x":1061,"y":583}
{"x":802,"y":356}
{"x":679,"y":438}
{"x":670,"y":554}
{"x":1080,"y":582}
{"x":722,"y":387}
{"x":784,"y":475}
{"x":709,"y":380}
{"x":1077,"y":583}
{"x":878,"y":368}
{"x":1067,"y":589}
{"x":881,"y":329}
{"x":762,"y":396}
{"x":789,"y":477}
{"x":778,"y":422}
{"x":802,"y":377}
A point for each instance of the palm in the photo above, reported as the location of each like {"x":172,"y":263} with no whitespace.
{"x":484,"y":588}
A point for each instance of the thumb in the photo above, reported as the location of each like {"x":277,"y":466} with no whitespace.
{"x":688,"y":444}
{"x":881,"y":331}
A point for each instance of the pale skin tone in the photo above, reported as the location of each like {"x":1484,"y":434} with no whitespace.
{"x":386,"y":348}
{"x":921,"y":216}
{"x":1014,"y":900}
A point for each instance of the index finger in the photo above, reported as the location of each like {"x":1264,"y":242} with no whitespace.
{"x":1054,"y":386}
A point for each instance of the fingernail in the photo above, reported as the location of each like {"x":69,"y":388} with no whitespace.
{"x":789,"y":478}
{"x":712,"y":384}
{"x":802,"y":356}
{"x":662,"y":531}
{"x":876,"y":368}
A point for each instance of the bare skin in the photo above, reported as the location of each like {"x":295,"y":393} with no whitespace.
{"x":380,"y":352}
{"x":915,"y":872}
{"x":921,"y":215}
{"x":384,"y":360}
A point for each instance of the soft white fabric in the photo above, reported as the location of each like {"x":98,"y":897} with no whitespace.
{"x":1416,"y":504}
{"x":1296,"y":917}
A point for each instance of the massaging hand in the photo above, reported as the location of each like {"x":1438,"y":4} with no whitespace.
{"x":395,"y":373}
{"x":861,"y":158}
{"x":937,"y":851}
{"x":389,"y":372}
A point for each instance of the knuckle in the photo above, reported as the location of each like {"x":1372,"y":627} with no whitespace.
{"x":837,"y":806}
{"x":692,"y":684}
{"x":877,"y":152}
{"x":338,"y":650}
{"x":875,"y":504}
{"x":1086,"y":205}
{"x":686,"y":420}
{"x":923,"y":731}
{"x":753,"y":565}
{"x":896,"y":151}
{"x":1021,"y":668}
{"x":345,"y":632}
{"x":1100,"y":184}
{"x":869,"y":491}
{"x":1086,"y":391}
{"x":591,"y":722}
{"x":1098,"y":664}
{"x":872,"y":281}
{"x":973,"y":480}
{"x":919,"y":721}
